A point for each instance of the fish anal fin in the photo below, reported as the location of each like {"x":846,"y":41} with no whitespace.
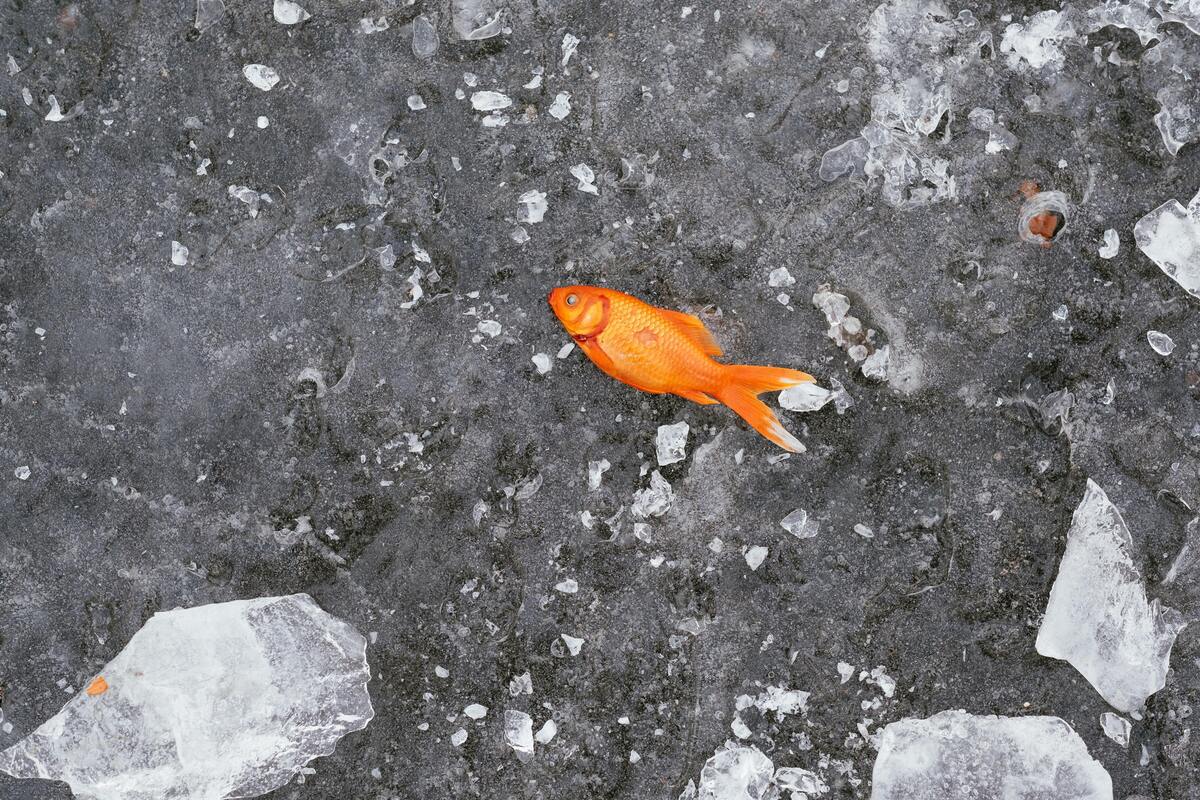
{"x":691,"y":327}
{"x":695,"y":397}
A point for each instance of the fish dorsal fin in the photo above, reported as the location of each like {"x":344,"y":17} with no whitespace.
{"x":694,"y":330}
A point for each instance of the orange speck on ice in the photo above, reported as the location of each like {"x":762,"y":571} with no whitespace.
{"x":97,"y":687}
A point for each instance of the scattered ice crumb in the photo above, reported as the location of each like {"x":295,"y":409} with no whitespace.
{"x":289,"y":13}
{"x":261,"y":76}
{"x":864,"y":531}
{"x":1060,"y":313}
{"x":22,"y":473}
{"x":179,"y":254}
{"x":797,"y":524}
{"x":476,"y":711}
{"x":567,"y":586}
{"x":565,"y":350}
{"x":845,"y":671}
{"x":543,"y":363}
{"x":533,"y":206}
{"x":441,"y":672}
{"x":546,"y":732}
{"x":373,"y":24}
{"x":490,"y":101}
{"x":1112,"y":244}
{"x":1160,"y":342}
{"x":755,"y":556}
{"x":561,"y":106}
{"x":574,"y":644}
{"x":1115,"y":727}
{"x":416,"y":102}
{"x":569,"y":43}
{"x":459,"y":737}
{"x":489,"y":327}
{"x":596,"y":470}
{"x":780,"y":277}
{"x":586,"y":177}
{"x":671,"y":443}
{"x":55,"y":114}
{"x":262,"y":122}
{"x":634,"y":757}
{"x":518,"y":731}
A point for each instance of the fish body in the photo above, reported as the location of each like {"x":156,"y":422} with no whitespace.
{"x":662,"y":351}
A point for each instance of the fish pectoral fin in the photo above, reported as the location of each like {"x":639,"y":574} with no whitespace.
{"x":694,"y":330}
{"x":695,"y":397}
{"x":592,"y":349}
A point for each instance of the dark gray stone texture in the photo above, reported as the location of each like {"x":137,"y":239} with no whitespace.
{"x":177,"y":457}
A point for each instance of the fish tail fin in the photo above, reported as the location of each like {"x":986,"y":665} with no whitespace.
{"x":740,"y":391}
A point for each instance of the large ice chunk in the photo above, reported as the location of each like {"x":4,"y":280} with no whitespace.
{"x":230,"y":699}
{"x":1170,"y":237}
{"x":1099,"y":618}
{"x":736,"y":773}
{"x":959,"y":755}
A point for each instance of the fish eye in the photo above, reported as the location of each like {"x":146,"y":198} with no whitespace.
{"x":572,"y":299}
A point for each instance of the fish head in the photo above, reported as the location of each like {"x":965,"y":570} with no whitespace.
{"x":582,"y":310}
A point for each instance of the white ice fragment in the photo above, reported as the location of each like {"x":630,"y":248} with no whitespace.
{"x":487,"y":100}
{"x":289,"y":13}
{"x":1185,"y":12}
{"x":670,"y":444}
{"x":876,"y":364}
{"x":370,"y":25}
{"x":230,"y":699}
{"x":569,"y":43}
{"x":1188,"y":557}
{"x":476,"y":711}
{"x":561,"y":106}
{"x":634,"y":757}
{"x":424,"y":38}
{"x":543,"y":362}
{"x":801,"y":783}
{"x":596,"y":470}
{"x":475,"y":20}
{"x":519,"y":235}
{"x":799,"y":525}
{"x":1160,"y":342}
{"x":780,"y":277}
{"x":459,"y":737}
{"x":1112,"y":243}
{"x":1170,"y":237}
{"x":441,"y":672}
{"x":547,"y":732}
{"x":655,"y":500}
{"x":533,"y":206}
{"x":1060,"y":313}
{"x":1115,"y":727}
{"x":179,"y":254}
{"x":489,"y":328}
{"x":1037,"y":41}
{"x":567,"y":586}
{"x":740,"y":729}
{"x":536,"y":81}
{"x":885,"y":682}
{"x":1134,"y":15}
{"x":416,"y":102}
{"x":1098,"y":618}
{"x":574,"y":643}
{"x":736,"y":772}
{"x":755,"y":556}
{"x":207,"y":13}
{"x":565,"y":350}
{"x":864,"y":531}
{"x":22,"y":473}
{"x":261,"y":76}
{"x":262,"y":122}
{"x":586,"y":177}
{"x":55,"y":114}
{"x":518,"y":731}
{"x":959,"y":755}
{"x":845,"y":671}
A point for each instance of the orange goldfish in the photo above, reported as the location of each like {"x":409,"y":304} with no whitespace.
{"x":669,"y":352}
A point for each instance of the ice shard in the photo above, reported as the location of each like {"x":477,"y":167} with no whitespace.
{"x":222,"y":700}
{"x":1170,"y":237}
{"x":1099,"y":618}
{"x":956,"y":754}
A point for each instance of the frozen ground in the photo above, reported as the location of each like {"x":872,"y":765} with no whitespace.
{"x":334,"y":389}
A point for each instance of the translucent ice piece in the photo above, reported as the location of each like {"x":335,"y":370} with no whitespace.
{"x":655,"y":500}
{"x":518,"y":731}
{"x":1186,"y":561}
{"x":1170,"y":237}
{"x":207,"y":13}
{"x":1132,"y":14}
{"x":736,"y":773}
{"x":561,"y":106}
{"x":586,"y":177}
{"x":1115,"y":727}
{"x":1037,"y":41}
{"x":425,"y":37}
{"x":799,"y":525}
{"x":230,"y":699}
{"x":289,"y":13}
{"x":959,"y":755}
{"x":1185,"y":12}
{"x":805,"y":397}
{"x":1111,"y":246}
{"x":262,"y":76}
{"x":801,"y":781}
{"x":848,"y":158}
{"x":1098,"y":618}
{"x":670,"y":444}
{"x":476,"y":19}
{"x":488,"y":100}
{"x":533,"y":206}
{"x":1160,"y":342}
